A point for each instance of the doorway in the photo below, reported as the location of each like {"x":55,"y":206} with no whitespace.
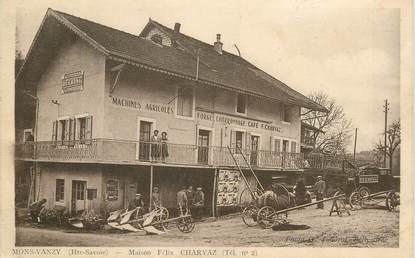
{"x":78,"y":197}
{"x":254,"y":149}
{"x":144,"y":138}
{"x":203,"y":147}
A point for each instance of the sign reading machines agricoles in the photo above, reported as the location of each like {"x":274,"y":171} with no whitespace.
{"x":72,"y":82}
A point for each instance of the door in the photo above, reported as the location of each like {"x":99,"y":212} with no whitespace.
{"x":78,"y":200}
{"x":203,"y":147}
{"x":145,"y":134}
{"x":254,"y":149}
{"x":285,"y":145}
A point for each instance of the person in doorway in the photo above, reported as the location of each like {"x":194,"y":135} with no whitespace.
{"x":164,"y":148}
{"x":182,"y":200}
{"x":190,"y":193}
{"x":137,"y":203}
{"x":300,"y":192}
{"x":320,"y":188}
{"x":156,"y":197}
{"x":155,"y":146}
{"x":198,"y":203}
{"x":35,"y":208}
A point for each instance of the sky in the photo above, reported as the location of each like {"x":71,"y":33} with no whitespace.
{"x":350,"y":53}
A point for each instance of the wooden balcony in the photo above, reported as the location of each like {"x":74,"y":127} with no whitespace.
{"x":134,"y":152}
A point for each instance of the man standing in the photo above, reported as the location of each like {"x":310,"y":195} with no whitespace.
{"x":320,"y":188}
{"x":199,"y":202}
{"x":156,"y":197}
{"x":182,"y":200}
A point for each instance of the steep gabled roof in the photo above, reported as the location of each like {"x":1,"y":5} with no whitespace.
{"x":222,"y":70}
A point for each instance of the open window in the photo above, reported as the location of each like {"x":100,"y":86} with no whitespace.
{"x":241,"y":103}
{"x":72,"y":131}
{"x":185,"y":101}
{"x":286,"y":113}
{"x":60,"y":190}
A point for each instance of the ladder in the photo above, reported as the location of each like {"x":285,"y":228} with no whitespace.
{"x":242,"y":173}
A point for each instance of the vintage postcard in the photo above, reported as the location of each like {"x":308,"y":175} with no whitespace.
{"x":206,"y":128}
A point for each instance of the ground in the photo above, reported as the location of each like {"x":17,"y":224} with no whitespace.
{"x":374,"y":227}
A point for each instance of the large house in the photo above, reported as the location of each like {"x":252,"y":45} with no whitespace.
{"x":92,"y":97}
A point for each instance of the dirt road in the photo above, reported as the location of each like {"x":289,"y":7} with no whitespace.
{"x":363,"y":228}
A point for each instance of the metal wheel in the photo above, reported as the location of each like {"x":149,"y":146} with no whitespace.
{"x":162,"y":214}
{"x":392,"y":201}
{"x":249,"y":215}
{"x":245,"y":198}
{"x":265,"y":217}
{"x":354,"y":199}
{"x":364,"y":191}
{"x":186,"y":225}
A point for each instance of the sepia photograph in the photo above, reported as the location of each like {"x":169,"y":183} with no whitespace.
{"x":195,"y":125}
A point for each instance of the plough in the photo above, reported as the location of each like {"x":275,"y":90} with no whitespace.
{"x":154,"y":222}
{"x":267,"y":216}
{"x":392,"y":199}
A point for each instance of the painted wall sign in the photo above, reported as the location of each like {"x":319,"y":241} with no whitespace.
{"x":153,"y":107}
{"x":72,"y":82}
{"x":160,"y":108}
{"x":126,"y":103}
{"x":236,"y":121}
{"x":228,"y":186}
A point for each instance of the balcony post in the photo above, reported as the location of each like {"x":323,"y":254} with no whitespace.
{"x":214,"y":193}
{"x":151,"y":188}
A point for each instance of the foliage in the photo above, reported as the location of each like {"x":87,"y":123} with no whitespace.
{"x":335,"y":129}
{"x":393,"y":141}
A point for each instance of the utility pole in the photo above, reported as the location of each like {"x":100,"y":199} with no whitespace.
{"x":355,"y":141}
{"x":386,"y":109}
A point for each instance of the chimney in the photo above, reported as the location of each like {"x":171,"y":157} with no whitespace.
{"x":218,"y":45}
{"x":175,"y":33}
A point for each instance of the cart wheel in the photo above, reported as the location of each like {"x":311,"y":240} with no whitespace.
{"x":265,"y":217}
{"x":249,"y":215}
{"x":392,"y":201}
{"x":364,"y":191}
{"x":354,"y":199}
{"x":245,"y":198}
{"x":186,"y":225}
{"x":162,"y":214}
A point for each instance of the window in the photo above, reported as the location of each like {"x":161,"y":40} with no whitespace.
{"x":91,"y":194}
{"x":286,"y":113}
{"x":28,"y":135}
{"x":156,"y":38}
{"x":293,"y":147}
{"x":277,"y":145}
{"x":68,"y":131}
{"x":185,"y":101}
{"x":241,"y":104}
{"x":285,"y":145}
{"x":60,"y":190}
{"x":238,"y":141}
{"x":80,"y":191}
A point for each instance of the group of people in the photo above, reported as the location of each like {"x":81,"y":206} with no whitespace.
{"x":301,"y":192}
{"x":190,"y":200}
{"x":159,"y":148}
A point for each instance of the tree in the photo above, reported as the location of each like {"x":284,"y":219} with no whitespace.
{"x":393,"y":136}
{"x":335,"y":130}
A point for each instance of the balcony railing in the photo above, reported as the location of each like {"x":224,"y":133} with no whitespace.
{"x":132,"y":152}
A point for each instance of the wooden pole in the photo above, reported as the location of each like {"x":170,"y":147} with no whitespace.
{"x":151,"y":187}
{"x":355,"y":141}
{"x":386,"y":129}
{"x":214,"y":193}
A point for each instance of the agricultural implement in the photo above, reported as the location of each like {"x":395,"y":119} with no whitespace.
{"x":154,"y":222}
{"x":271,"y":207}
{"x":392,"y":199}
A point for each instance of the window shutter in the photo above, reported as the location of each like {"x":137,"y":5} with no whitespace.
{"x":72,"y":126}
{"x":248,"y":141}
{"x":232,"y":139}
{"x":67,"y":128}
{"x":55,"y":131}
{"x":277,"y":145}
{"x":270,"y":143}
{"x":88,"y":130}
